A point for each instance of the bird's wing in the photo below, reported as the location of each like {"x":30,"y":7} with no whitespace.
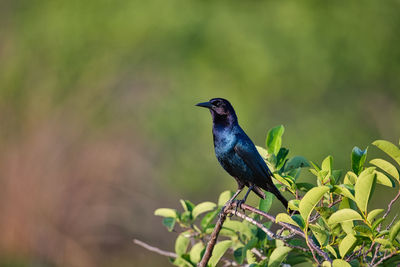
{"x":246,"y":150}
{"x":249,"y":154}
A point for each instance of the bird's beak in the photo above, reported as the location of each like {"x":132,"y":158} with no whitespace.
{"x":205,"y":105}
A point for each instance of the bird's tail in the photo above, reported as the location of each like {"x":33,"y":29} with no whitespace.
{"x":281,"y":198}
{"x":274,"y":191}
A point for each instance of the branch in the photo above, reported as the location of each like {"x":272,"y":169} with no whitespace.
{"x":214,"y":236}
{"x":154,"y":249}
{"x":389,"y":209}
{"x":295,"y":229}
{"x":338,"y":200}
{"x":385,"y":258}
{"x":266,"y":230}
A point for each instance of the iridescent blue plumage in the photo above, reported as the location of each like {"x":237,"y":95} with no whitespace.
{"x":236,"y":152}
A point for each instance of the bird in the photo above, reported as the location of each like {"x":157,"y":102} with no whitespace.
{"x":237,"y":154}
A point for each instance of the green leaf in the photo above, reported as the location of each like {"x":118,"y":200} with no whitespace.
{"x":325,"y":212}
{"x":274,"y":139}
{"x":304,"y":186}
{"x":224,"y":197}
{"x":392,"y":150}
{"x":187,"y":205}
{"x":394,"y":231}
{"x":283,"y":217}
{"x":347,"y":226}
{"x":337,"y":174}
{"x":181,"y":262}
{"x":315,"y":166}
{"x":327,"y":164}
{"x":282,"y":180}
{"x":208,"y":218}
{"x":169,"y":223}
{"x":344,"y":215}
{"x":331,"y":250}
{"x":277,"y":256}
{"x":203,"y":207}
{"x":358,"y":158}
{"x":320,"y":234}
{"x":250,"y":257}
{"x":281,"y":157}
{"x":182,"y":243}
{"x":296,"y":162}
{"x":263,"y":152}
{"x":186,"y":217}
{"x":195,"y":252}
{"x":297,"y":259}
{"x":340,"y":263}
{"x":377,"y":222}
{"x":344,"y":191}
{"x":265,"y":204}
{"x":387,"y":167}
{"x":363,"y":189}
{"x":294,"y":204}
{"x":219,"y":250}
{"x":350,"y":178}
{"x":238,"y":226}
{"x":384,"y":180}
{"x":363,"y":230}
{"x":166,"y":212}
{"x":373,"y":213}
{"x":383,"y":241}
{"x":347,"y":244}
{"x":310,"y":200}
{"x":239,"y":254}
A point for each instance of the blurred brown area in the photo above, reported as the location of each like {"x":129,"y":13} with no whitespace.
{"x":97,"y":120}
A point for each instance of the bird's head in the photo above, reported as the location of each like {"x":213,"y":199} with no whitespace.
{"x":221,"y":110}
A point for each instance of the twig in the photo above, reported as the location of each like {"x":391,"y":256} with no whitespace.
{"x":214,"y":236}
{"x":312,"y":251}
{"x":375,"y":253}
{"x":258,"y":253}
{"x":385,"y":258}
{"x":266,"y":230}
{"x":391,"y":223}
{"x":355,"y":253}
{"x":154,"y":249}
{"x":388,"y":209}
{"x":316,"y":216}
{"x":290,"y":227}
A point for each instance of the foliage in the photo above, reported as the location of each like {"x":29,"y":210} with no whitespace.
{"x":334,"y":215}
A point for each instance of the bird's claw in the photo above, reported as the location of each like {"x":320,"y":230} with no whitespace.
{"x":238,"y":204}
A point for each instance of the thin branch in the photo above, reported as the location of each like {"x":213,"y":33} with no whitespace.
{"x":388,"y":209}
{"x":312,"y":251}
{"x":154,"y":249}
{"x":391,"y":223}
{"x":266,"y":230}
{"x":258,"y":253}
{"x":390,"y":204}
{"x":214,"y":236}
{"x":355,"y":254}
{"x":385,"y":258}
{"x":375,"y":254}
{"x":338,"y":200}
{"x":290,"y":227}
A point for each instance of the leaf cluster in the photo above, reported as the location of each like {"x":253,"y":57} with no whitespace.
{"x":333,"y":214}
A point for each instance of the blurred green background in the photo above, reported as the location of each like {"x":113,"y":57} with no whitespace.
{"x":99,"y":127}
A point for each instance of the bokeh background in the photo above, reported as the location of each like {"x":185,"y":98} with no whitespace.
{"x":99,"y":127}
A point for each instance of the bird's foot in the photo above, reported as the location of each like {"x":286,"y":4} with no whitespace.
{"x":239,"y":204}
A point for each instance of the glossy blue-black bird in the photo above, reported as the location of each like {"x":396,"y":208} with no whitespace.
{"x":237,"y":153}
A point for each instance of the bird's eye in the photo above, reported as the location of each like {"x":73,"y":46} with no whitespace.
{"x":216,"y":103}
